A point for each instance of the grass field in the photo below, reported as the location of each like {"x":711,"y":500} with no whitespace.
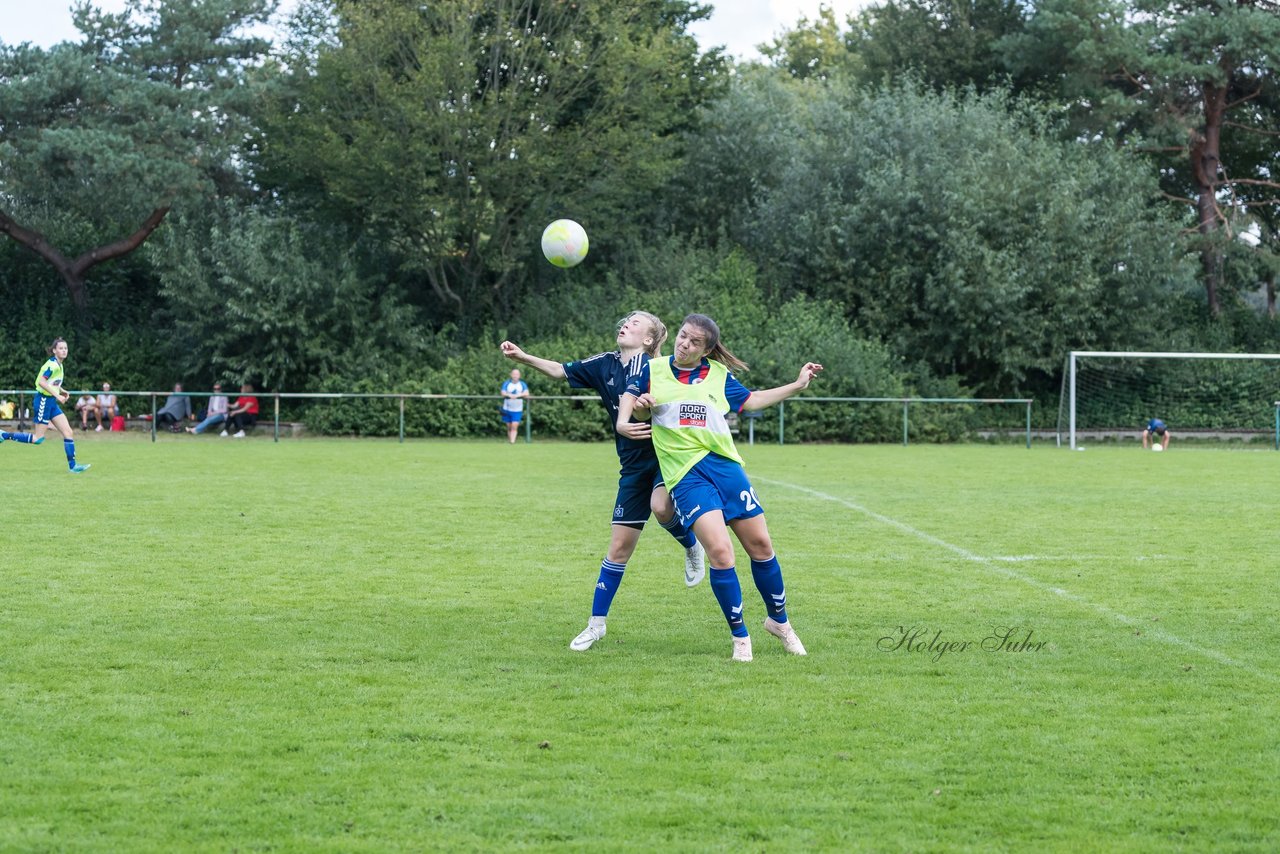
{"x":325,"y":645}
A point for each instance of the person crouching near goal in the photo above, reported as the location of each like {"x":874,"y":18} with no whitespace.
{"x":1156,"y":435}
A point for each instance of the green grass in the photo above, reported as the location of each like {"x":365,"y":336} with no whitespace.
{"x":326,"y":645}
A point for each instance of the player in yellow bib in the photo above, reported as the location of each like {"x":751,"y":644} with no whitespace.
{"x":688,"y":396}
{"x":45,"y":409}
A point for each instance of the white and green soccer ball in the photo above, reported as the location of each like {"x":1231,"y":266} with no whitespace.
{"x":564,"y":242}
{"x":1156,"y":446}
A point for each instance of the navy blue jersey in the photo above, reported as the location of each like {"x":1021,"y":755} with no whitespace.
{"x":735,"y":393}
{"x":1155,"y":425}
{"x":607,"y":375}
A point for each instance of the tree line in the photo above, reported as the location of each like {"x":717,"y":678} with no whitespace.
{"x":935,"y":198}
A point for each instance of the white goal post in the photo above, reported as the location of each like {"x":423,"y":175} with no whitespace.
{"x":1263,"y":391}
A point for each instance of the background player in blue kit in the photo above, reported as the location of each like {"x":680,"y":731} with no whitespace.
{"x":640,"y":487}
{"x":514,"y":393}
{"x":1155,"y":431}
{"x":45,"y":410}
{"x":689,"y":395}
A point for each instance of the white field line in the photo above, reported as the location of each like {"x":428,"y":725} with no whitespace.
{"x":993,"y":564}
{"x":1072,"y":557}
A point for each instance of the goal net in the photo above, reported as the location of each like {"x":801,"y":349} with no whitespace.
{"x":1111,"y":395}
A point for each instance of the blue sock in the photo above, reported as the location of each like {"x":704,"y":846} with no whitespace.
{"x":683,"y":535}
{"x":607,"y":586}
{"x":69,"y":446}
{"x":724,"y":583}
{"x":768,"y":578}
{"x":25,"y":438}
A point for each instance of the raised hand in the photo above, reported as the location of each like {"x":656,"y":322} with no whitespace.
{"x":807,"y":373}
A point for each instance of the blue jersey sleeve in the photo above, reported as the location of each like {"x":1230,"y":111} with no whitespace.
{"x":574,"y":373}
{"x":587,"y":373}
{"x":638,"y":384}
{"x":735,"y":393}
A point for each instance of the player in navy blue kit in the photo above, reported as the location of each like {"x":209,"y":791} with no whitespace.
{"x":688,"y":397}
{"x":640,"y":487}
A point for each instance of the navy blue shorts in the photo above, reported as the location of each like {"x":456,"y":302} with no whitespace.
{"x":45,"y":410}
{"x":635,"y":484}
{"x":715,"y":483}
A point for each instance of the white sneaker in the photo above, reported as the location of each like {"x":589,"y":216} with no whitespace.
{"x":239,"y":434}
{"x":98,"y":429}
{"x":223,"y":434}
{"x":786,"y":634}
{"x":742,"y":648}
{"x":592,"y":633}
{"x":695,"y":564}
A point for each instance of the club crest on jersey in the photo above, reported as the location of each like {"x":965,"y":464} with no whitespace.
{"x":693,"y":415}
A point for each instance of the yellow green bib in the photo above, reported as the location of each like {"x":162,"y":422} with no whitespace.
{"x":55,"y":375}
{"x":688,"y":420}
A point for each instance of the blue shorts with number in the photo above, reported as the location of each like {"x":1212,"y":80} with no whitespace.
{"x":45,"y":410}
{"x":509,"y":417}
{"x":636,"y":482}
{"x":715,"y":483}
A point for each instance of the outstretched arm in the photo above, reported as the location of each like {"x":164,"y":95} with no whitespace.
{"x":555,"y":370}
{"x":762,"y":398}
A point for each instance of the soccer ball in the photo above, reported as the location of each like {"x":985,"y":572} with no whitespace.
{"x":1157,"y":447}
{"x":564,"y":242}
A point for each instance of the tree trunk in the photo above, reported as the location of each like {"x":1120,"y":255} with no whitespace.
{"x":1271,"y":296}
{"x":73,"y":271}
{"x":1206,"y":150}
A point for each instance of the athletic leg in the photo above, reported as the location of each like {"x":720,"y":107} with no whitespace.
{"x":664,"y":510}
{"x":753,"y":533}
{"x":622,"y":544}
{"x":35,"y":437}
{"x":68,"y":443}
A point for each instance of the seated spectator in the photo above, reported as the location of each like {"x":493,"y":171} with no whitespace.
{"x":244,"y":414}
{"x":87,"y":405}
{"x":6,"y":409}
{"x":215,"y":414}
{"x":107,"y":407}
{"x":175,"y":410}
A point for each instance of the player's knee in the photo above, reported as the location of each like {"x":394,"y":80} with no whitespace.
{"x":720,"y":555}
{"x":661,"y":507}
{"x":760,"y":548}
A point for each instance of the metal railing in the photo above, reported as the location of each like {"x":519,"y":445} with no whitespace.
{"x":906,"y":403}
{"x":749,"y":418}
